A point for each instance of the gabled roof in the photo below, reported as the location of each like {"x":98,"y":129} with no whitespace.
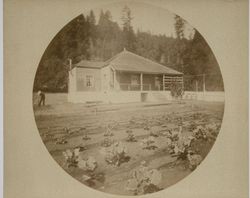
{"x":129,"y":62}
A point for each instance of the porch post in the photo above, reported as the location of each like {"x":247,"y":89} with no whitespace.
{"x":114,"y":79}
{"x":141,"y":81}
{"x":163,"y":82}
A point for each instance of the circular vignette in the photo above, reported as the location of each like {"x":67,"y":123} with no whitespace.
{"x":127,"y":106}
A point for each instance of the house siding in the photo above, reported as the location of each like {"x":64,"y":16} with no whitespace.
{"x":105,"y":78}
{"x":81,"y":79}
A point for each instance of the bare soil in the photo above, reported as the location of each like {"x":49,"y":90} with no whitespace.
{"x":94,"y":118}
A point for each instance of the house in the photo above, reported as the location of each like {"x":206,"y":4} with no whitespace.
{"x":126,"y":77}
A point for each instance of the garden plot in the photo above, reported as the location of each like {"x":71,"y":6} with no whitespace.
{"x":130,"y":149}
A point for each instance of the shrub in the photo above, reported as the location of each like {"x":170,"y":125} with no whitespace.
{"x":67,"y":130}
{"x":154,"y":133}
{"x":90,"y":164}
{"x":86,"y":136}
{"x":71,"y":157}
{"x":116,"y":154}
{"x":200,"y":133}
{"x":194,"y":160}
{"x":61,"y":140}
{"x":173,"y":135}
{"x":179,"y":148}
{"x":176,"y":90}
{"x":212,"y":130}
{"x":107,"y":142}
{"x":144,"y":180}
{"x":207,"y":132}
{"x":108,"y":132}
{"x":148,"y":143}
{"x":131,"y":136}
{"x":81,"y":147}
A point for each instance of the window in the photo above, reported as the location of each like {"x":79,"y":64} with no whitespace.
{"x":89,"y":81}
{"x":157,"y":81}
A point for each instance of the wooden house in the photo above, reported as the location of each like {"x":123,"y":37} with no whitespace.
{"x":126,"y":77}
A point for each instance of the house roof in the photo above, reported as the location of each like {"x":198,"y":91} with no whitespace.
{"x":129,"y":62}
{"x":90,"y":64}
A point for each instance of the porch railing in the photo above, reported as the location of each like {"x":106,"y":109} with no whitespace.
{"x":130,"y":87}
{"x":137,"y":87}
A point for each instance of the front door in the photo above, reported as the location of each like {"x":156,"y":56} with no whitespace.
{"x":158,"y":83}
{"x":135,"y":82}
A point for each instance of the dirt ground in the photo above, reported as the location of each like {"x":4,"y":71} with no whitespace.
{"x":93,"y":119}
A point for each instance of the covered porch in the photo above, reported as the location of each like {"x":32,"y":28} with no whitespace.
{"x":134,"y":81}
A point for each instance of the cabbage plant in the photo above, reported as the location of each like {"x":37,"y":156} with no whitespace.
{"x":116,"y":154}
{"x":144,"y":180}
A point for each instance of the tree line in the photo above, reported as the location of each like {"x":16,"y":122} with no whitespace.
{"x":86,"y":38}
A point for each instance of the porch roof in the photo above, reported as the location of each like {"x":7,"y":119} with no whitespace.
{"x":130,"y":62}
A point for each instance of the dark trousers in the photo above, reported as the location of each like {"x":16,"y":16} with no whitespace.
{"x":42,"y":100}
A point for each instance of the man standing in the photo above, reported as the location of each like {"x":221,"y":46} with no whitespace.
{"x":42,"y":98}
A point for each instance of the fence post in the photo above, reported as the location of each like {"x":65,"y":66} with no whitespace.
{"x":196,"y":88}
{"x":182,"y":84}
{"x":163,"y":82}
{"x":204,"y":86}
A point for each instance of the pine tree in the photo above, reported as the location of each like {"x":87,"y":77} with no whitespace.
{"x":179,"y":27}
{"x":129,"y":38}
{"x":91,"y":18}
{"x":179,"y":44}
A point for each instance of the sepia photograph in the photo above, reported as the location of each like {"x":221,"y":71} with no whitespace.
{"x":127,"y":106}
{"x":126,"y":98}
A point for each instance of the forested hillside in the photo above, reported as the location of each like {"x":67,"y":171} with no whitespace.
{"x":87,"y":38}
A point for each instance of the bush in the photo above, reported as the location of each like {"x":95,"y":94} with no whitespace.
{"x":179,"y":147}
{"x":107,"y":142}
{"x":200,"y":133}
{"x":194,"y":160}
{"x":207,"y":132}
{"x":116,"y":154}
{"x":73,"y":159}
{"x":131,"y":136}
{"x":144,"y":180}
{"x":148,"y":143}
{"x":154,"y":133}
{"x":90,"y":164}
{"x":176,"y":90}
{"x":108,"y":132}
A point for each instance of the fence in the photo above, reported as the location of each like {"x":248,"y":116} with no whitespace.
{"x":207,"y":87}
{"x":203,"y":82}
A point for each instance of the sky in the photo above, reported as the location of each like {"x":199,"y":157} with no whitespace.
{"x":145,"y":17}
